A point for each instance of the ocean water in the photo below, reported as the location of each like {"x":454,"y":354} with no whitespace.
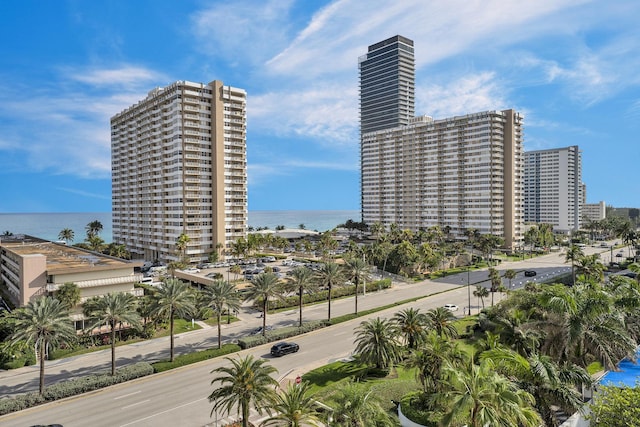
{"x":48,"y":225}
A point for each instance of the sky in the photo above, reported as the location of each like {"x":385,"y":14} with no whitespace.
{"x":67,"y":66}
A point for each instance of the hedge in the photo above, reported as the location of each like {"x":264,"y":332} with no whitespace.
{"x":74,"y":387}
{"x":336,"y":292}
{"x":198,"y":356}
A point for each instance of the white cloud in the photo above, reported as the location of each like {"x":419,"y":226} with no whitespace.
{"x":467,"y":94}
{"x":128,"y":76}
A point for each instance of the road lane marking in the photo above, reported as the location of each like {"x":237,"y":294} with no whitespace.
{"x":135,"y":404}
{"x":127,"y":395}
{"x":163,"y":412}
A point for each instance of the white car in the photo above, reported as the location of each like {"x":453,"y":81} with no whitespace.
{"x":192,"y":270}
{"x":451,"y":307}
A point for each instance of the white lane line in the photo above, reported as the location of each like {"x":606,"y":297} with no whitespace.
{"x":163,"y":412}
{"x":127,"y":395}
{"x":136,"y":404}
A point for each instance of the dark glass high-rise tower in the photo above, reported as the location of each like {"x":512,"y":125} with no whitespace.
{"x":387,"y":85}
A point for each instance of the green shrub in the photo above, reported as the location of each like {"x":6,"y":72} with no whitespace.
{"x":411,"y":405}
{"x":198,"y":356}
{"x":74,"y":387}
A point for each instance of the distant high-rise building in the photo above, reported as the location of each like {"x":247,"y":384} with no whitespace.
{"x":593,"y":212}
{"x":553,"y":188}
{"x":458,"y":173}
{"x":387,"y":85}
{"x":179,"y":166}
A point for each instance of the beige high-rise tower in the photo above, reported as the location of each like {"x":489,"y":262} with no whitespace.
{"x":179,"y":166}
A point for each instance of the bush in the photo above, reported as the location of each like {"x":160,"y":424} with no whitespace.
{"x":412,"y":408}
{"x":74,"y":387}
{"x":199,"y":356}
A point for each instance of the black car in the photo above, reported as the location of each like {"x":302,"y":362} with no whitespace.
{"x":283,"y":348}
{"x":529,"y":273}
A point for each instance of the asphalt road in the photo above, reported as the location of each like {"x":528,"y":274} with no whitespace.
{"x":178,"y":397}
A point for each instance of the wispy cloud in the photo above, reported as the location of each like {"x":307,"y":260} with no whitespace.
{"x":84,"y":193}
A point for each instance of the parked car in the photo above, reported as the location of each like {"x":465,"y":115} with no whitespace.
{"x":283,"y":348}
{"x":529,"y":273}
{"x":451,"y":307}
{"x":192,"y":270}
{"x":619,"y":255}
{"x":259,"y":330}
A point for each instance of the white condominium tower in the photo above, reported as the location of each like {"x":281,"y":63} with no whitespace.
{"x":553,"y":188}
{"x":179,"y":166}
{"x":458,"y":173}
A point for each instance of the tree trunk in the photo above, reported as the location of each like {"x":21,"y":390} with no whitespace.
{"x":42,"y":350}
{"x":264,"y":317}
{"x":356,"y":301}
{"x":219,"y":329}
{"x":171,"y":333}
{"x":113,"y":348}
{"x":300,"y":305}
{"x":329,"y":310}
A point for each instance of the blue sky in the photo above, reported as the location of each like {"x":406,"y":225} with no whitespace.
{"x":66,"y":67}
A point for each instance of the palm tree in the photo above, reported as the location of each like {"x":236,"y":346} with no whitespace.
{"x":112,"y":309}
{"x":68,"y":294}
{"x":173,"y":298}
{"x":221,"y":295}
{"x":95,"y":243}
{"x":181,"y":245}
{"x":430,"y":358}
{"x":496,"y":281}
{"x":574,"y":253}
{"x":510,"y":274}
{"x":412,"y":325}
{"x":302,"y":280}
{"x":294,"y":408}
{"x":478,"y":397}
{"x":441,"y":320}
{"x":329,"y":276}
{"x":66,"y":234}
{"x":262,"y":288}
{"x":481,"y":292}
{"x":357,"y":270}
{"x":44,"y":323}
{"x":93,"y":229}
{"x":355,"y":408}
{"x":549,"y":384}
{"x":246,"y":381}
{"x":376,"y":343}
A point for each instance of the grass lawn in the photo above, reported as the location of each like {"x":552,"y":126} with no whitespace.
{"x":213,"y":321}
{"x":327,"y":381}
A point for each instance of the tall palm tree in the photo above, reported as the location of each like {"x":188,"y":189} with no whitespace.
{"x":294,"y":408}
{"x":376,"y":343}
{"x":262,"y":288}
{"x":182,"y":242}
{"x":66,"y":234}
{"x":478,"y":397}
{"x":95,"y":243}
{"x":358,"y":408}
{"x":481,"y":292}
{"x":412,"y":325}
{"x":302,"y":280}
{"x":441,"y":320}
{"x":574,"y":253}
{"x":44,"y":323}
{"x":510,"y":274}
{"x":247,"y":381}
{"x":496,"y":281}
{"x":221,"y":295}
{"x":357,"y":270}
{"x":173,"y":298}
{"x":93,"y":228}
{"x":329,"y":276}
{"x":112,"y":309}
